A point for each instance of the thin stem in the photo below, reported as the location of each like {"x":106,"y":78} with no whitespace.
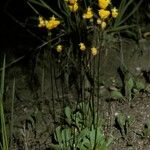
{"x":12,"y":114}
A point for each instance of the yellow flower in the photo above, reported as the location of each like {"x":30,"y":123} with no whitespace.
{"x":94,"y":51}
{"x":99,"y":21}
{"x":59,"y":48}
{"x":104,"y":14}
{"x":103,"y":25}
{"x":89,"y":14}
{"x":91,"y":20}
{"x":73,"y":8}
{"x":41,"y":22}
{"x":52,"y":23}
{"x":82,"y":46}
{"x":114,"y":12}
{"x":72,"y":2}
{"x":103,"y":3}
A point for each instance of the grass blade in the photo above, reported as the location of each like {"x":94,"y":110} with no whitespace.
{"x":45,"y":5}
{"x":4,"y":144}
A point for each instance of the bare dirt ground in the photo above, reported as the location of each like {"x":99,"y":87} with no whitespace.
{"x":34,"y":107}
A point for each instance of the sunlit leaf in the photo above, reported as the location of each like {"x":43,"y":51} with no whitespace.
{"x":139,"y":85}
{"x":68,"y":114}
{"x":117,"y":95}
{"x":130,"y":83}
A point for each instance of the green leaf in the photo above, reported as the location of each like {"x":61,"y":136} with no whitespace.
{"x":68,"y":113}
{"x":58,"y":135}
{"x":45,"y":5}
{"x":66,"y":136}
{"x":4,"y":136}
{"x":130,"y":84}
{"x":139,"y":85}
{"x":120,"y":28}
{"x":130,"y":120}
{"x":84,"y":145}
{"x":55,"y":147}
{"x":81,"y":140}
{"x":109,"y":141}
{"x":83,"y":133}
{"x":148,"y":125}
{"x":121,"y":120}
{"x":92,"y":137}
{"x":117,"y":95}
{"x":147,"y":89}
{"x":3,"y":78}
{"x":123,"y":16}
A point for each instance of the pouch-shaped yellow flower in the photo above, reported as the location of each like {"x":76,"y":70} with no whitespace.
{"x":103,"y":25}
{"x":72,"y":2}
{"x":94,"y":51}
{"x":104,"y":14}
{"x":41,"y":22}
{"x":73,"y":8}
{"x":89,"y":14}
{"x":59,"y":48}
{"x":103,"y":3}
{"x":99,"y":21}
{"x":52,"y":23}
{"x":114,"y":12}
{"x":82,"y":46}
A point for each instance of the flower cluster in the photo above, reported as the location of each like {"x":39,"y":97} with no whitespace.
{"x":48,"y":24}
{"x":104,"y":13}
{"x":83,"y":48}
{"x":73,"y":5}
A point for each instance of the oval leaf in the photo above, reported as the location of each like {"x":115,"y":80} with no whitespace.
{"x":116,"y":95}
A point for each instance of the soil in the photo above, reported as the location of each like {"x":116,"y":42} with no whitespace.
{"x":40,"y":95}
{"x":39,"y":100}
